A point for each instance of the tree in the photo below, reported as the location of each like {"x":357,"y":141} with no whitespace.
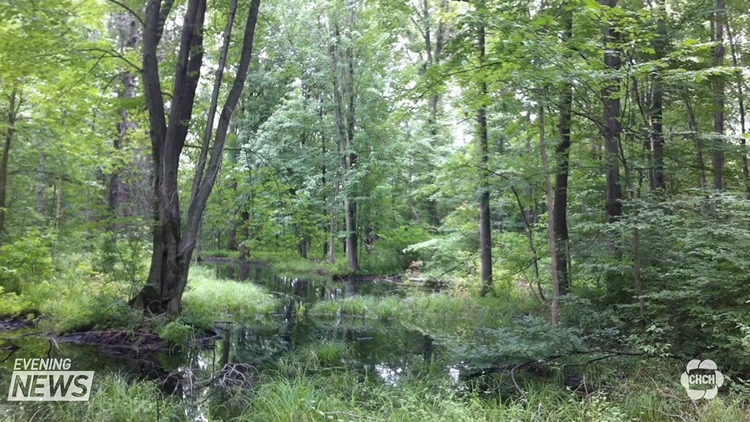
{"x":612,"y":124}
{"x":485,"y":222}
{"x":718,"y":155}
{"x":344,"y":105}
{"x":559,"y":212}
{"x":172,"y":245}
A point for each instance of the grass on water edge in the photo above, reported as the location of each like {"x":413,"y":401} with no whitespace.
{"x":334,"y":395}
{"x":82,"y":299}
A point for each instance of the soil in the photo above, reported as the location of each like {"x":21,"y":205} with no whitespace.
{"x":14,"y":323}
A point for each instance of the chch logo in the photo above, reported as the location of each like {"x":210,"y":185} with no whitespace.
{"x":702,"y":379}
{"x":48,"y":380}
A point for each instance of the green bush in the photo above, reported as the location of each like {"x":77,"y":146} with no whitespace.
{"x":176,"y":334}
{"x":26,"y":261}
{"x":696,"y":273}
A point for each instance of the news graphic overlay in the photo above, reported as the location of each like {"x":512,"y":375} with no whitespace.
{"x":50,"y":379}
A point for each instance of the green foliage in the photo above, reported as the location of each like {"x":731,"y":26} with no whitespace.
{"x":176,"y":334}
{"x":76,"y":298}
{"x":26,"y":261}
{"x":695,"y":273}
{"x":391,"y":253}
{"x":13,"y":304}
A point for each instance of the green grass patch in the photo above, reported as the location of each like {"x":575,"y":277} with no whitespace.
{"x":432,"y":310}
{"x":327,"y":353}
{"x":346,"y":396}
{"x":208,"y":299}
{"x":220,"y":253}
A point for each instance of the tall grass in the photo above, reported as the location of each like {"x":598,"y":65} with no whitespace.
{"x":208,"y":299}
{"x":431,"y":310}
{"x":113,"y":399}
{"x":345,"y":396}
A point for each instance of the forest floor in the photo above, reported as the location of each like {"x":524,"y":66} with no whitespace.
{"x":445,"y":356}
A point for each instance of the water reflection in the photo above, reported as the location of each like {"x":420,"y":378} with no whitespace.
{"x":384,"y":350}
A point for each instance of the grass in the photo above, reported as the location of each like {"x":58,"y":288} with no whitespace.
{"x":347,"y":396}
{"x":208,"y":299}
{"x":80,"y":299}
{"x":326,"y":353}
{"x":434,"y":310}
{"x":113,"y":398}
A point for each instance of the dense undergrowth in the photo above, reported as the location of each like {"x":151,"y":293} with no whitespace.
{"x":314,"y":389}
{"x":492,"y":334}
{"x":627,"y":364}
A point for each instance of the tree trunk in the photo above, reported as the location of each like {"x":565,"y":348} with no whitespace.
{"x":433,"y":58}
{"x":232,"y":246}
{"x":559,"y":213}
{"x":41,"y":203}
{"x":344,"y":114}
{"x":658,"y":180}
{"x":718,"y":156}
{"x":172,"y":249}
{"x":485,"y":224}
{"x":612,"y":127}
{"x":741,"y":103}
{"x":127,"y":34}
{"x":693,"y":125}
{"x":555,"y":307}
{"x":14,"y":104}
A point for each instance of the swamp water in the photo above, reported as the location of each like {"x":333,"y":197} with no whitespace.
{"x":383,"y":351}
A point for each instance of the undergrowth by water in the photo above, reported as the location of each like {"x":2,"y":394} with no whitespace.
{"x":335,"y":395}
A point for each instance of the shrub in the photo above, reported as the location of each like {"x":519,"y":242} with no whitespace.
{"x":27,"y":260}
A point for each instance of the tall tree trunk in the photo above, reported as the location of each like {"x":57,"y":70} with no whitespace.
{"x":485,"y":224}
{"x":127,"y":34}
{"x":718,"y":156}
{"x":658,"y":180}
{"x":352,"y":247}
{"x":173,"y":249}
{"x":434,"y":51}
{"x":555,"y":307}
{"x":14,"y":103}
{"x":559,"y":213}
{"x":58,"y":204}
{"x":344,"y":113}
{"x":693,"y":125}
{"x":741,"y":103}
{"x":41,"y":188}
{"x":232,"y":246}
{"x":612,"y":126}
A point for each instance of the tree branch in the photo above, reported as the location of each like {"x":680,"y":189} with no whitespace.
{"x":129,"y":10}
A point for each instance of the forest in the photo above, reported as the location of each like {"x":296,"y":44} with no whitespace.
{"x":376,"y":210}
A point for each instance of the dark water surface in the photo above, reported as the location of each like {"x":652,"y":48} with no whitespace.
{"x":378,"y":349}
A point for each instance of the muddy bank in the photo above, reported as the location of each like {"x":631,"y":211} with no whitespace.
{"x":15,"y":323}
